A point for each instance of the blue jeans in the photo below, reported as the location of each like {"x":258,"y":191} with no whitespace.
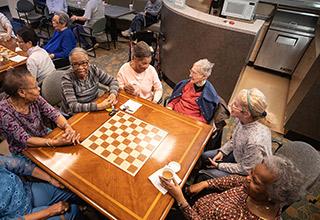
{"x":214,"y":173}
{"x":45,"y":195}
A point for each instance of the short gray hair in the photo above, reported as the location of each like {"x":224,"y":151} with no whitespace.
{"x":141,"y":50}
{"x":288,"y":186}
{"x":77,"y":50}
{"x":63,"y":17}
{"x":205,"y":66}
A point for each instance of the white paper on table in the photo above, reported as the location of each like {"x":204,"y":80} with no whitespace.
{"x":154,"y":178}
{"x":18,"y":49}
{"x":130,"y":106}
{"x":17,"y":58}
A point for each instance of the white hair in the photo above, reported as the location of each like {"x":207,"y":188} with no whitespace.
{"x":205,"y":66}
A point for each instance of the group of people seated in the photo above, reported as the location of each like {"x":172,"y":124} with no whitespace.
{"x":240,"y":180}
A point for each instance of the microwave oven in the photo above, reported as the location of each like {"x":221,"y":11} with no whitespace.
{"x":243,"y":9}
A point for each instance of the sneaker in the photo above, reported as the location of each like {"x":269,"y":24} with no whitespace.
{"x":126,"y":33}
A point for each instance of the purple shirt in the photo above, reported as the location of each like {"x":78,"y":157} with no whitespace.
{"x":18,"y":127}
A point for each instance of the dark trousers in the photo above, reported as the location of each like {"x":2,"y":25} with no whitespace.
{"x":140,"y":21}
{"x":77,"y":30}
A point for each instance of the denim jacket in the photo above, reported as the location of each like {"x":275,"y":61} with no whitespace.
{"x":207,"y":102}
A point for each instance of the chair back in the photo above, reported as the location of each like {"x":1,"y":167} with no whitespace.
{"x":305,"y":157}
{"x":24,"y":6}
{"x":99,"y":26}
{"x":221,"y":114}
{"x":51,"y":88}
{"x":139,"y":5}
{"x":123,"y":3}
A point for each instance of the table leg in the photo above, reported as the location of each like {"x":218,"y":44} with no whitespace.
{"x":113,"y":31}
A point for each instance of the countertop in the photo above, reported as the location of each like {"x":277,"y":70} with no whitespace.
{"x":240,"y":26}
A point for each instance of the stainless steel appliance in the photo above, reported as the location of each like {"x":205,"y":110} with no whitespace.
{"x":243,"y":9}
{"x":287,"y":39}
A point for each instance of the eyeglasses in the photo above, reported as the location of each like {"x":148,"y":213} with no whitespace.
{"x":194,"y":72}
{"x":233,"y":106}
{"x":77,"y":65}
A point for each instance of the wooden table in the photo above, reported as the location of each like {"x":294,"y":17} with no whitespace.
{"x":112,"y":191}
{"x":11,"y":45}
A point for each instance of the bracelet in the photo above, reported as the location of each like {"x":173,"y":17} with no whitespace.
{"x":65,"y":125}
{"x":182,"y":204}
{"x":49,"y":142}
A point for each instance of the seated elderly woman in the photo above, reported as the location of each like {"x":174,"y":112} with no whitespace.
{"x":80,"y":85}
{"x":271,"y":185}
{"x":250,"y":142}
{"x":21,"y":199}
{"x":138,"y":77}
{"x":196,"y":97}
{"x":23,"y":112}
{"x":63,"y":39}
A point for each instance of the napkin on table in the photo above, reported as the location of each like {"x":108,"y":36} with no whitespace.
{"x":154,"y":178}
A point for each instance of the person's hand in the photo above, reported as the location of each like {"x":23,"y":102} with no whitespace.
{"x":168,"y":107}
{"x":196,"y":188}
{"x":58,"y":208}
{"x":51,"y":55}
{"x":56,"y":183}
{"x":129,"y":89}
{"x":73,"y":18}
{"x":218,"y":156}
{"x":72,"y":135}
{"x":213,"y":164}
{"x":6,"y":37}
{"x":172,"y":187}
{"x":112,"y":99}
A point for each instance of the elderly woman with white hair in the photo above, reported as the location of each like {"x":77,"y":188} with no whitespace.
{"x":250,"y":142}
{"x":63,"y":39}
{"x":196,"y":97}
{"x":271,"y":185}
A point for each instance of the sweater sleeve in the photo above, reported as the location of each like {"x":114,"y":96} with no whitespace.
{"x":70,"y":98}
{"x":252,"y":155}
{"x":107,"y":80}
{"x":68,"y":42}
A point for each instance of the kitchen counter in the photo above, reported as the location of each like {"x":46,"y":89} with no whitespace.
{"x":303,"y":4}
{"x":239,"y":26}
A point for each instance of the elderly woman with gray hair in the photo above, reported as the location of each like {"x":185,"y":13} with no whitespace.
{"x":63,"y":39}
{"x":196,"y":97}
{"x":271,"y":185}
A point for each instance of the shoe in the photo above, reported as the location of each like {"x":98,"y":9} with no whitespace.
{"x":126,"y":33}
{"x":89,"y":49}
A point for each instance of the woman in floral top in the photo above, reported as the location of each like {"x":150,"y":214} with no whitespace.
{"x":22,"y":115}
{"x":32,"y":200}
{"x":272,"y":184}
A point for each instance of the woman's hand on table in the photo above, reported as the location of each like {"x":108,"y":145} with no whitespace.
{"x":112,"y":99}
{"x":72,"y":135}
{"x":129,"y":89}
